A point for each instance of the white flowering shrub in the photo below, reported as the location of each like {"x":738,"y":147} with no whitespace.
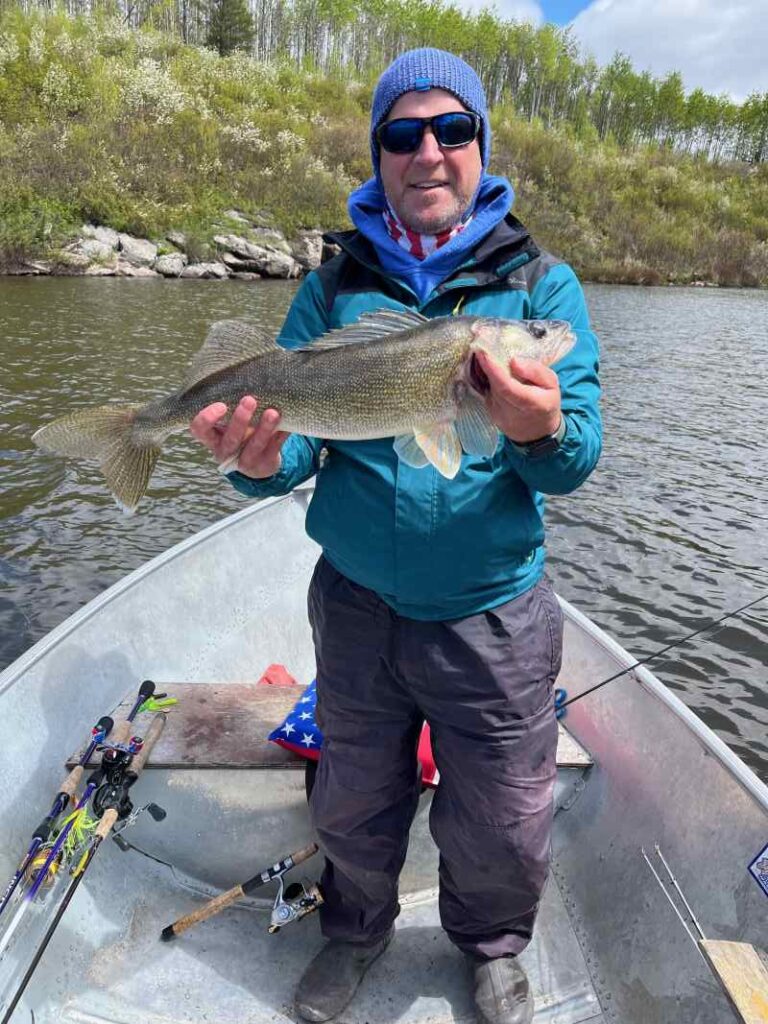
{"x":62,"y":92}
{"x":150,"y":88}
{"x":9,"y":50}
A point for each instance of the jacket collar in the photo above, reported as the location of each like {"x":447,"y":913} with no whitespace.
{"x":508,"y":246}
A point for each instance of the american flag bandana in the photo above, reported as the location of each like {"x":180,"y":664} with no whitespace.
{"x":414,"y":242}
{"x":300,"y":733}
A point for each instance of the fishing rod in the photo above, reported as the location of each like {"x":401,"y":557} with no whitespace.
{"x":119,"y":734}
{"x":290,"y":905}
{"x":62,"y":799}
{"x":115,"y":804}
{"x":663,"y":650}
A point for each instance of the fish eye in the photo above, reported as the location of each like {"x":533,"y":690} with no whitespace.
{"x":536,"y":329}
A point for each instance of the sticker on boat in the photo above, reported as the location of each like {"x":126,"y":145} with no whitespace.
{"x":759,"y":869}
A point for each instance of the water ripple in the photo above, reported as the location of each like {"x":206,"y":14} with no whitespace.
{"x":668,"y":534}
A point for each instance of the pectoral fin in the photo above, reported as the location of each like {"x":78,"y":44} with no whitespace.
{"x":408,"y":450}
{"x":477,"y":432}
{"x":440,"y":445}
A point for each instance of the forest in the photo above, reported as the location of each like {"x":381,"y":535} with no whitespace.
{"x":148,"y":115}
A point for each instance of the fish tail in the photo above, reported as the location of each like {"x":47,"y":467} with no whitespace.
{"x":106,"y":433}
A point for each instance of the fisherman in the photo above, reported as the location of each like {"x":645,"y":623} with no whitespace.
{"x":429,"y":600}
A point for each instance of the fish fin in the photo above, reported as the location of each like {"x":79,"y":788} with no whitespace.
{"x":105,"y":433}
{"x":478,"y":434}
{"x":127,"y":469}
{"x":228,"y":343}
{"x":410,"y":452}
{"x":370,"y":327}
{"x":440,"y":444}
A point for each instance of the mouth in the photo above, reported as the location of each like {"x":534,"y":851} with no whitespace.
{"x":429,"y":186}
{"x":477,"y":378}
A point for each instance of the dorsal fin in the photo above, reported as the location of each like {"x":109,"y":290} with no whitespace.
{"x":228,"y":343}
{"x":370,"y":327}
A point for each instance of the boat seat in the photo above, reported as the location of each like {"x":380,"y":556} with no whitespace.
{"x":225,"y":725}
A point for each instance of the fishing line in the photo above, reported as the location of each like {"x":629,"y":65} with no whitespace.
{"x":669,"y":647}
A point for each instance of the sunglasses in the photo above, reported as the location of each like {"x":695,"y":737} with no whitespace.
{"x":404,"y":135}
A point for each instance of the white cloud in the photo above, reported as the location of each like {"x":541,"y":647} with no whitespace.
{"x":508,"y":10}
{"x":719,"y":45}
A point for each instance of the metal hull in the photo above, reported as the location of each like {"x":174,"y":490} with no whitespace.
{"x":221,"y":607}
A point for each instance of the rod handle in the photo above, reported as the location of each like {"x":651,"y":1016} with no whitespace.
{"x":106,"y":821}
{"x":212,"y":907}
{"x":304,"y":854}
{"x":153,"y":735}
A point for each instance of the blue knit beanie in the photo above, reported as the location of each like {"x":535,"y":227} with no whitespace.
{"x":425,"y":69}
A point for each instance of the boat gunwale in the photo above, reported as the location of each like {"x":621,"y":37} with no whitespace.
{"x":650,"y":683}
{"x":653,"y":685}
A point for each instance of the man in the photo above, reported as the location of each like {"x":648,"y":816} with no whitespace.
{"x":429,"y":600}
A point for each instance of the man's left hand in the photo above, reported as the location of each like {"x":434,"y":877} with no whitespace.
{"x":524,"y":403}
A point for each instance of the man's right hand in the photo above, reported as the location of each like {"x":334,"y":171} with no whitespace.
{"x":258,"y":447}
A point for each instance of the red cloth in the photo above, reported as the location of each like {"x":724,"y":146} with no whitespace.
{"x":300,"y":733}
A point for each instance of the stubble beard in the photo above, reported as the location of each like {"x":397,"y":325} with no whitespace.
{"x":432,"y":223}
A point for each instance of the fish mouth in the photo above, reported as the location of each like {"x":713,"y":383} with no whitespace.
{"x":477,"y":377}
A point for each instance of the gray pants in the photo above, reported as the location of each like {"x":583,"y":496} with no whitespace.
{"x":485,"y":685}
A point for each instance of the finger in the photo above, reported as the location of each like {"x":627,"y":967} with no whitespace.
{"x":205,"y":426}
{"x":533,"y":371}
{"x":237,"y":428}
{"x":258,"y":459}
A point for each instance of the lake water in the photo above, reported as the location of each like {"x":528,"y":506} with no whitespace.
{"x":670,"y":531}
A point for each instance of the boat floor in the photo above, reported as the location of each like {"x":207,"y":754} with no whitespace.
{"x":229,"y":970}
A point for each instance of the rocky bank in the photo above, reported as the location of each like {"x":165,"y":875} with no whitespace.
{"x":243,"y":248}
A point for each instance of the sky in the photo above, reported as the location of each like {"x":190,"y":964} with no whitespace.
{"x":718,"y":45}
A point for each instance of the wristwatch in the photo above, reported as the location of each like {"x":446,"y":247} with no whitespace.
{"x":542,"y":446}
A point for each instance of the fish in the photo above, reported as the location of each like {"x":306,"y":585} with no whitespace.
{"x":393,"y":373}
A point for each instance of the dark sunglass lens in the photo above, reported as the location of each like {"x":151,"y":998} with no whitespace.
{"x":455,"y":129}
{"x":401,"y":136}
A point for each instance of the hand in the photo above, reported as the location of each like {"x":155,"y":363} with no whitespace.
{"x":524,"y":403}
{"x":259,"y":447}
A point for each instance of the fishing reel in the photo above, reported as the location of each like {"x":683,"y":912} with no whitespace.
{"x":293,"y":903}
{"x":114,"y":778}
{"x":36,"y":865}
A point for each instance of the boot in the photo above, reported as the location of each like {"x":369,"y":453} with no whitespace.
{"x":331,"y":979}
{"x":502,"y":992}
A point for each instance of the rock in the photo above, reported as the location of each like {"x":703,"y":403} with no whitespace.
{"x":171,"y":265}
{"x":100,"y":271}
{"x":96,"y":250}
{"x":307,"y":249}
{"x":205,"y":270}
{"x":177,"y":238}
{"x":262,"y":259}
{"x":125,"y":269}
{"x":30,"y":268}
{"x":137,"y":251}
{"x":237,"y":216}
{"x":270,"y":238}
{"x":101,"y":234}
{"x":245,"y":275}
{"x":70,"y":259}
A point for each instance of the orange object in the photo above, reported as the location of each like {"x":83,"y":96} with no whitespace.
{"x":277,"y":675}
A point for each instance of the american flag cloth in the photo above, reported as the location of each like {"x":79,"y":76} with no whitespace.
{"x":300,"y":733}
{"x":414,"y":242}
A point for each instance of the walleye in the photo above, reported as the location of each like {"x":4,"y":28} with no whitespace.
{"x":394,"y":373}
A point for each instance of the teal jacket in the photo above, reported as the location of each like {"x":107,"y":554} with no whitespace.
{"x":434,"y":548}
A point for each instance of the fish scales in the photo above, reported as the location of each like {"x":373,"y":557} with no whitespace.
{"x":393,"y":374}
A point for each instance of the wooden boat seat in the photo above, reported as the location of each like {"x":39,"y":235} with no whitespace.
{"x":225,"y":725}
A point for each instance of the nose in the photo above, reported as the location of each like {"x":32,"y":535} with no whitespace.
{"x":429,"y":151}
